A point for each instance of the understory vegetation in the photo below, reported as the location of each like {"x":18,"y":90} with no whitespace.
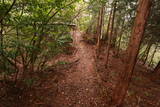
{"x":33,"y":32}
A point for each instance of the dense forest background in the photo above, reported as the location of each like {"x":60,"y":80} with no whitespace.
{"x":34,"y":32}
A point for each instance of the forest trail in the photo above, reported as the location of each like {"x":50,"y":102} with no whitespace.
{"x":79,"y":53}
{"x":81,"y":88}
{"x":83,"y":81}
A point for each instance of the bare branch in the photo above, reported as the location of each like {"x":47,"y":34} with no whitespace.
{"x":1,"y":18}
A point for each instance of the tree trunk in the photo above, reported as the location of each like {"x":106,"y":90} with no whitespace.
{"x":113,"y":19}
{"x":114,"y":37}
{"x":110,"y":35}
{"x":114,"y":29}
{"x":132,"y":52}
{"x":6,"y":13}
{"x":109,"y":22}
{"x":98,"y":23}
{"x":99,"y":27}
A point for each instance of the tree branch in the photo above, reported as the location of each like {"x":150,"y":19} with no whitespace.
{"x":1,"y":18}
{"x":57,"y":11}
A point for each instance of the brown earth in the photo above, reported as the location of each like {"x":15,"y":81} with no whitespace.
{"x":83,"y":81}
{"x":81,"y":87}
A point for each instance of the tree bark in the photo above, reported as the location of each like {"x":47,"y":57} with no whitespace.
{"x":10,"y":8}
{"x":132,"y":52}
{"x":111,"y":33}
{"x":98,"y":23}
{"x":113,"y":19}
{"x":109,"y":22}
{"x":114,"y":37}
{"x":99,"y":27}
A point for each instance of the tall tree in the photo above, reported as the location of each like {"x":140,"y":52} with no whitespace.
{"x":109,"y":23}
{"x":111,"y":32}
{"x":99,"y":27}
{"x":132,"y":52}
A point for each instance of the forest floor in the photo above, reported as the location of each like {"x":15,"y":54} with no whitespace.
{"x":81,"y":80}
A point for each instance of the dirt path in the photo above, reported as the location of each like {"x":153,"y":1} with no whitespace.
{"x":81,"y":86}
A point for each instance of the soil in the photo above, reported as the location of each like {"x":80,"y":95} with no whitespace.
{"x":83,"y":81}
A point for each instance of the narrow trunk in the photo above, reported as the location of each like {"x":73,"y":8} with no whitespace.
{"x":109,"y":22}
{"x":113,"y":19}
{"x":6,"y":13}
{"x":132,"y":52}
{"x":113,"y":29}
{"x":16,"y":68}
{"x":110,"y":35}
{"x":1,"y":48}
{"x":99,"y":28}
{"x":114,"y":37}
{"x":1,"y":37}
{"x":98,"y":23}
